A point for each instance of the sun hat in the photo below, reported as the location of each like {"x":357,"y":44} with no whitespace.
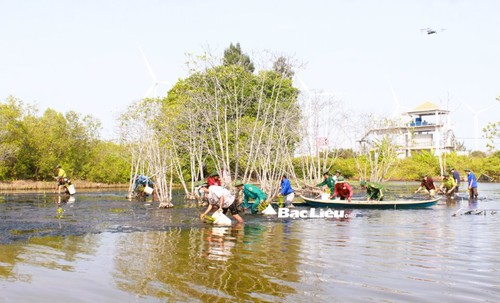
{"x":238,"y":183}
{"x":340,"y":179}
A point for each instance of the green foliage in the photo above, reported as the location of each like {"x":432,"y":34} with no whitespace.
{"x":31,"y":145}
{"x":409,"y":169}
{"x":234,"y":56}
{"x":221,"y":107}
{"x":283,"y":68}
{"x":11,"y":134}
{"x":344,"y":153}
{"x":491,"y":167}
{"x":478,"y":154}
{"x":109,"y":163}
{"x":492,"y":132}
{"x":428,"y":163}
{"x":347,"y":167}
{"x":378,"y":158}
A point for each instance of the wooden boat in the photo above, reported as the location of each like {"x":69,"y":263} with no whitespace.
{"x":394,"y":204}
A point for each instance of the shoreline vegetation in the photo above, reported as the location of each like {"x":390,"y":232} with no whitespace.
{"x":20,"y":185}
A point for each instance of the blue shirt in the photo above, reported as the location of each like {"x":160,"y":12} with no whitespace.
{"x":471,"y":180}
{"x":456,"y":176}
{"x":286,"y":188}
{"x":143,"y":180}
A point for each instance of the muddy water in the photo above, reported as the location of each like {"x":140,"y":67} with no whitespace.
{"x":101,"y":248}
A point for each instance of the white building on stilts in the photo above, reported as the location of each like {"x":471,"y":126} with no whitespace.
{"x":425,"y":128}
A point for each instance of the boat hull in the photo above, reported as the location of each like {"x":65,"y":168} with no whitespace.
{"x":344,"y":204}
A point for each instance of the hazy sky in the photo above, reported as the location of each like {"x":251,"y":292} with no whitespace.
{"x":84,"y":55}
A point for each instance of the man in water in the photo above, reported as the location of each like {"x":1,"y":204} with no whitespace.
{"x":213,"y":179}
{"x":374,"y":191}
{"x":328,"y":181}
{"x":456,"y":177}
{"x":251,"y":191}
{"x":342,"y":189}
{"x":287,"y":191}
{"x":448,"y":186}
{"x":61,"y":178}
{"x":471,"y":184}
{"x":222,"y":198}
{"x":428,"y":184}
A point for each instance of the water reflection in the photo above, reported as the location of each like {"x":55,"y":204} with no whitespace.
{"x":51,"y":252}
{"x":220,"y":241}
{"x":214,"y":264}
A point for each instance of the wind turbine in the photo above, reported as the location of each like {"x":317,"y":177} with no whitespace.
{"x":152,"y":90}
{"x":476,"y":121}
{"x":397,"y":113}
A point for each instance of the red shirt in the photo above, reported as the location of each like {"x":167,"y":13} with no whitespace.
{"x":428,"y":183}
{"x":212,"y":181}
{"x":343,"y":190}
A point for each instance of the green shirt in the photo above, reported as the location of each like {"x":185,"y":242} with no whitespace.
{"x":251,"y":191}
{"x":374,"y":191}
{"x":448,"y":183}
{"x":328,"y":182}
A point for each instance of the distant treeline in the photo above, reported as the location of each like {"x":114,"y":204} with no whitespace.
{"x":412,"y":168}
{"x":31,"y":145}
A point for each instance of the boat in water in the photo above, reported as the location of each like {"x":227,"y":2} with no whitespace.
{"x":390,"y":204}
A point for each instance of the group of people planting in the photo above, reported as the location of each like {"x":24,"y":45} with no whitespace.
{"x":222,"y":198}
{"x":339,"y":187}
{"x":450,"y":184}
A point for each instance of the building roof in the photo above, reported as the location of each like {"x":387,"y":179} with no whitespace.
{"x":427,"y":108}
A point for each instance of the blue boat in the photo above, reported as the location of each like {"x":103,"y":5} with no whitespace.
{"x":395,"y":204}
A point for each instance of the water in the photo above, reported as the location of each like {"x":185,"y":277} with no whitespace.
{"x":102,"y":248}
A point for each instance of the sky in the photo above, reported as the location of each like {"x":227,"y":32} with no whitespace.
{"x":85,"y":55}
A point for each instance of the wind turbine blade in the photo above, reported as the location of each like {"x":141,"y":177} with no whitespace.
{"x":151,"y":73}
{"x":469,"y":107}
{"x":485,"y":109}
{"x":302,"y":83}
{"x":395,"y":98}
{"x":398,"y":105}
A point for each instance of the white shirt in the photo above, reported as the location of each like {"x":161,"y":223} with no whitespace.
{"x":215,"y":192}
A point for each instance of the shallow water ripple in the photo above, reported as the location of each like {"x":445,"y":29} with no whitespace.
{"x":105,"y":249}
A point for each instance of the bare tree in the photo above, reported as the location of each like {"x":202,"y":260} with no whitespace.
{"x":149,"y":151}
{"x":324,"y":132}
{"x":379,"y":149}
